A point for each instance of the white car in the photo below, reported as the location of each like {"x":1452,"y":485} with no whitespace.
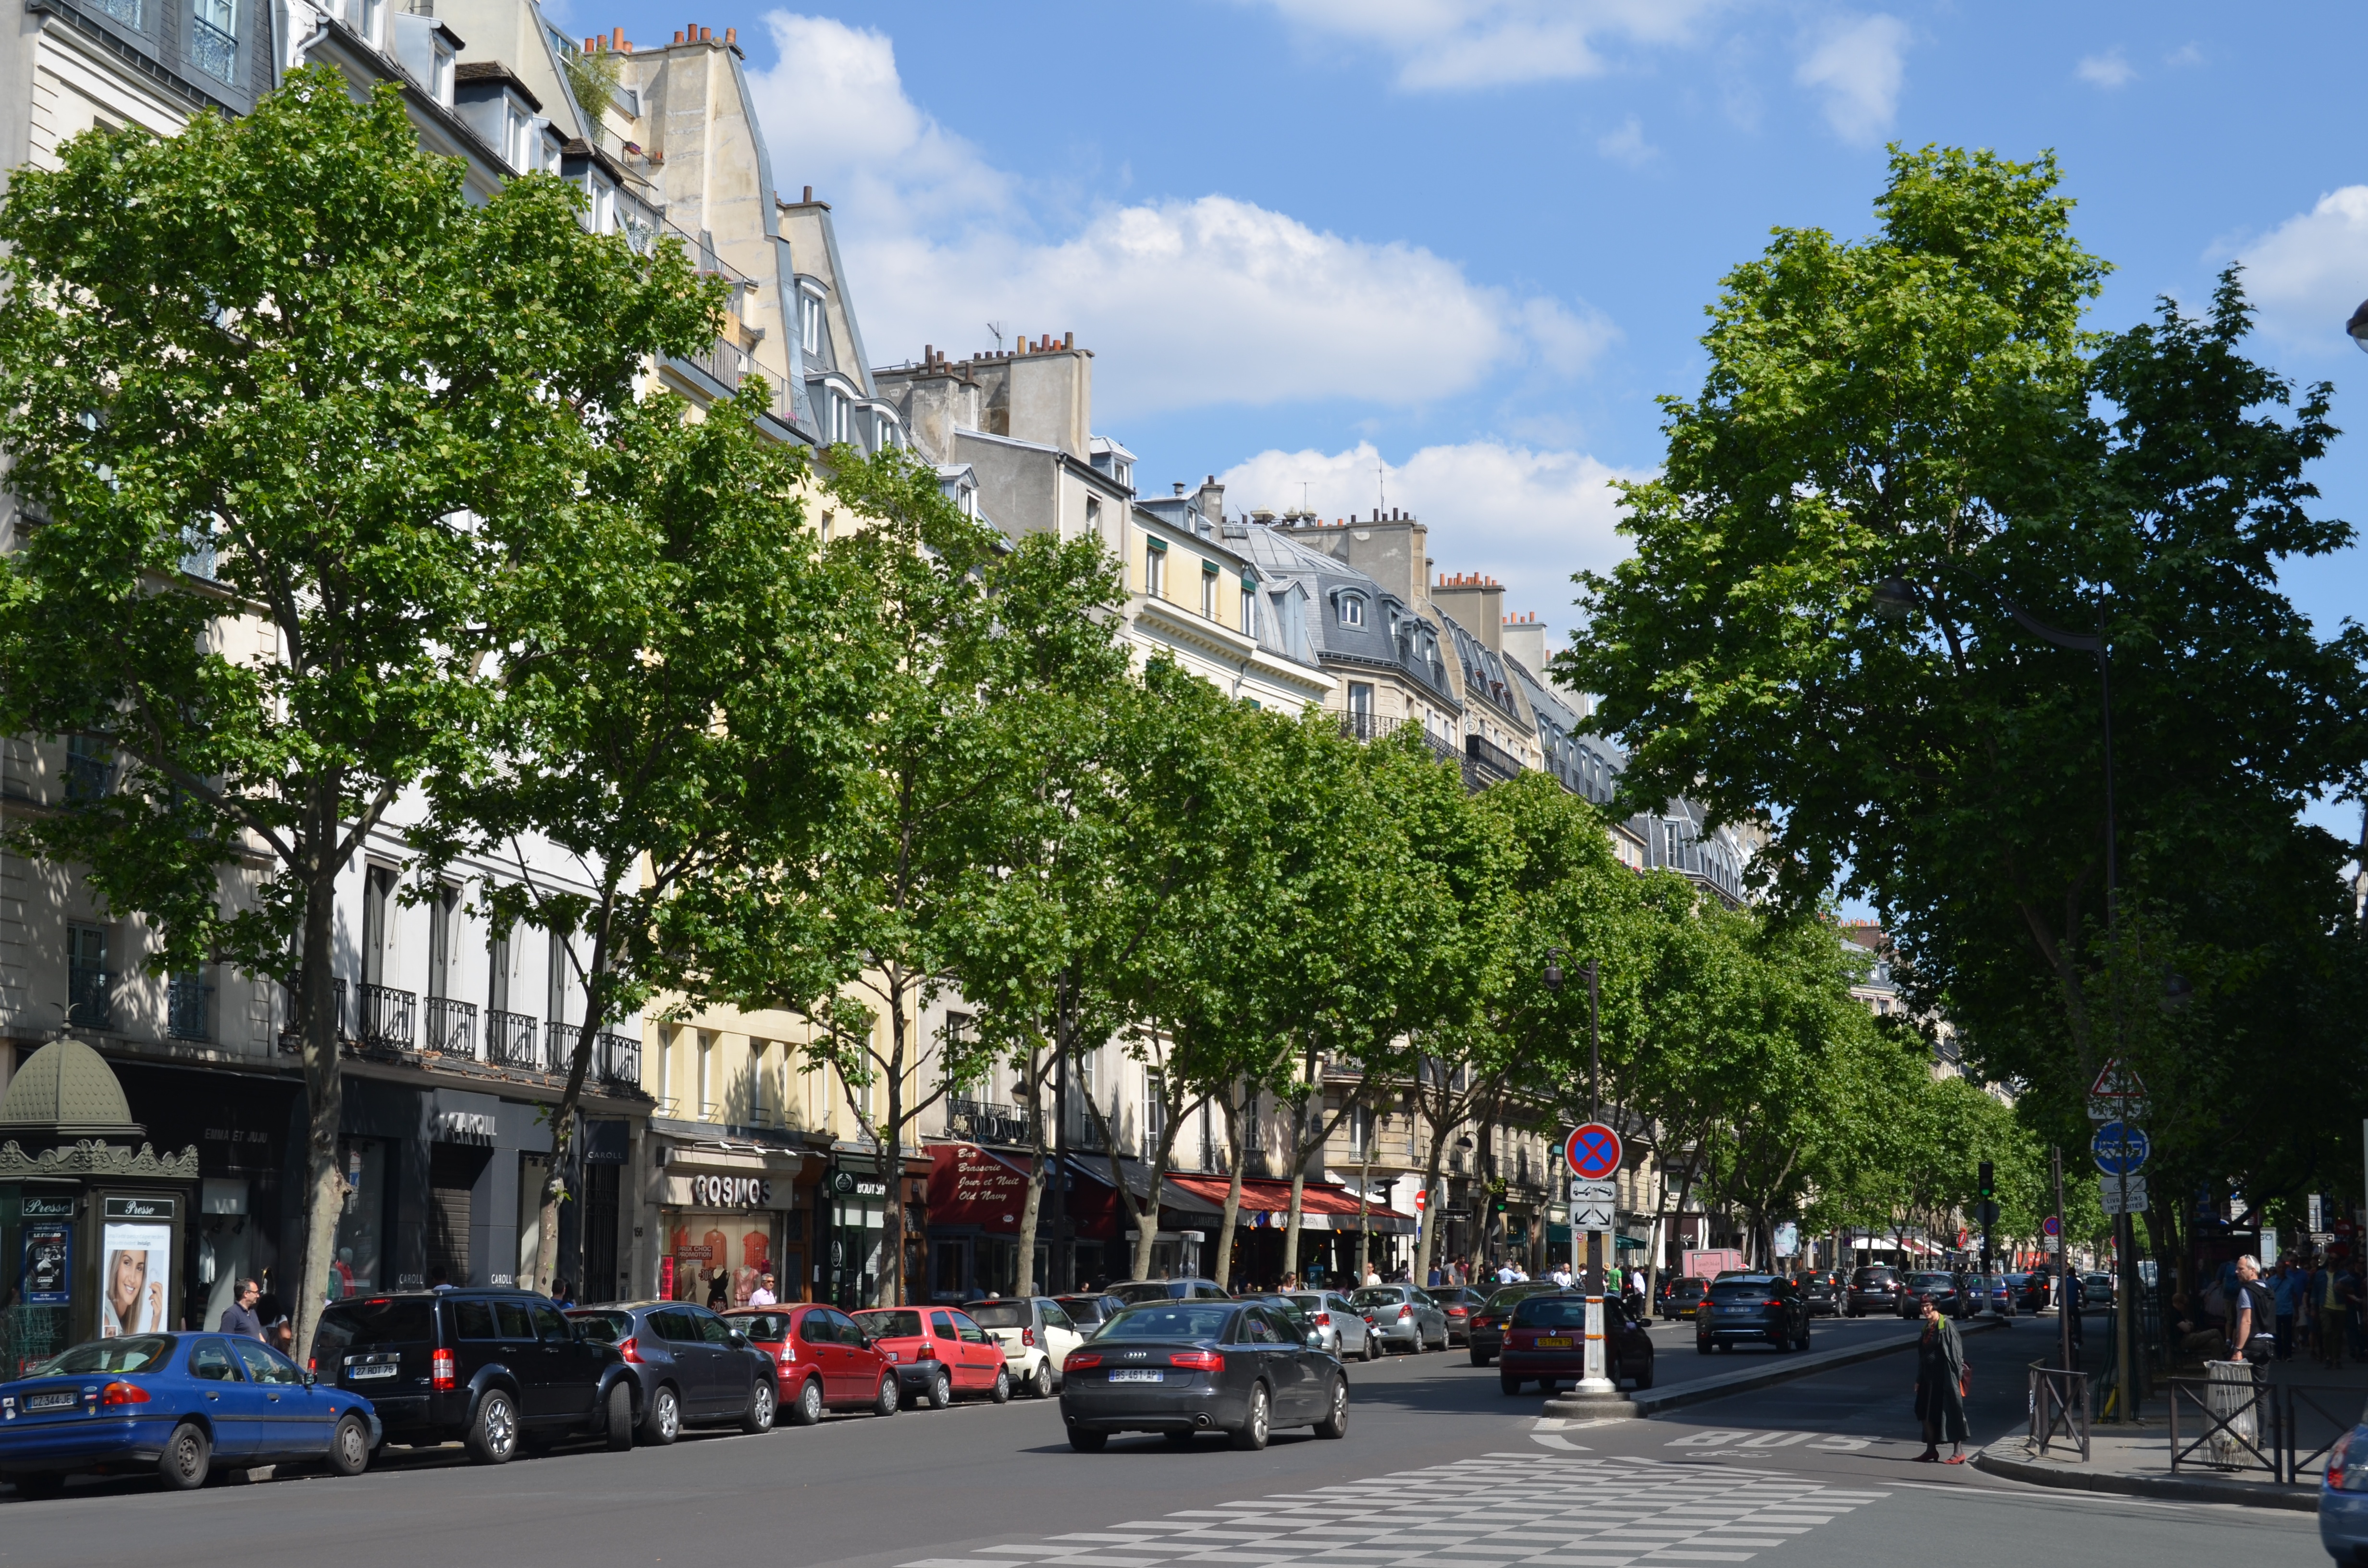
{"x":1036,"y":1337}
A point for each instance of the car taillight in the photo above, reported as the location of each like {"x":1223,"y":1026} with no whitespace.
{"x":439,"y":1368}
{"x":629,"y":1347}
{"x":1080,"y":1359}
{"x":1197,"y":1360}
{"x":1457,"y":1312}
{"x":1404,"y":1313}
{"x":1483,"y":1323}
{"x":1323,"y":1320}
{"x":1027,"y":1336}
{"x":927,"y":1349}
{"x":122,"y":1394}
{"x":1773,"y":1301}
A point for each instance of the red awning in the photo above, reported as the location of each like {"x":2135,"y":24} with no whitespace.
{"x":1260,"y":1193}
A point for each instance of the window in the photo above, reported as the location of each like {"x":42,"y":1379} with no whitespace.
{"x":378,"y":887}
{"x":442,"y":911}
{"x":556,"y":989}
{"x":213,"y":38}
{"x":1353,"y":609}
{"x":810,"y":322}
{"x":497,"y":964}
{"x":706,"y":1074}
{"x":439,"y":84}
{"x":1669,"y":844}
{"x":1208,"y":590}
{"x":1361,"y":698}
{"x":89,"y":988}
{"x":373,"y":22}
{"x":1249,"y":609}
{"x":89,"y":766}
{"x":1155,"y":1111}
{"x":1155,"y":570}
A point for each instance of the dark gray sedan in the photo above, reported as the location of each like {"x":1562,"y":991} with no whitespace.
{"x":1403,"y":1316}
{"x":1183,"y":1367}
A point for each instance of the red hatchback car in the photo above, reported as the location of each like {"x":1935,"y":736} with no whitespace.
{"x":940,"y":1353}
{"x":827,"y":1362}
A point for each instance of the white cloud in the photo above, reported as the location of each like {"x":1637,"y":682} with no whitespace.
{"x":2185,"y":54}
{"x":2109,"y":70}
{"x":1453,"y":45}
{"x":2306,"y":275}
{"x":1186,"y":303}
{"x":1529,"y":518}
{"x":1858,"y":68}
{"x":1627,"y":145}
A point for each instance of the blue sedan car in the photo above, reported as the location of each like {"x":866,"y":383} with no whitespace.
{"x":175,"y":1405}
{"x":2343,"y":1499}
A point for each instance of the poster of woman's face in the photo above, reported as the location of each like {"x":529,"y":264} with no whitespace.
{"x":137,"y":1279}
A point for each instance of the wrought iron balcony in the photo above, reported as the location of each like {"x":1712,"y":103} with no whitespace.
{"x":214,"y":51}
{"x":618,"y":1059}
{"x":983,"y":1121}
{"x":451,"y":1027}
{"x":90,"y":997}
{"x":509,"y":1041}
{"x":559,"y":1045}
{"x":189,"y":1008}
{"x":386,"y":1017}
{"x":1491,"y":756}
{"x":291,"y":1038}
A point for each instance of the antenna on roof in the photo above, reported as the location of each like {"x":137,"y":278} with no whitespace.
{"x":1381,"y":487}
{"x":996,"y":328}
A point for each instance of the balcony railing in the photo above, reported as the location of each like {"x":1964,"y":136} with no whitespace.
{"x":983,"y":1121}
{"x":1491,"y":756}
{"x":189,"y":1008}
{"x":386,"y":1017}
{"x":559,"y":1045}
{"x":509,"y":1041}
{"x":215,"y":51}
{"x":618,"y":1059}
{"x":291,"y":1038}
{"x":451,"y":1027}
{"x":90,"y":997}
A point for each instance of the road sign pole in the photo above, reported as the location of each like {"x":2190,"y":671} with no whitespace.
{"x":2062,"y":1266}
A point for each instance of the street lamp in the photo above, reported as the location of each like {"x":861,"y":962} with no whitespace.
{"x":2358,"y":326}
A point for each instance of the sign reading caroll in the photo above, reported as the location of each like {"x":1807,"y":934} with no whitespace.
{"x":731,"y":1192}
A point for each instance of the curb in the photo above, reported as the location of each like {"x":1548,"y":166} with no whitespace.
{"x":2166,"y":1488}
{"x":1650,"y":1401}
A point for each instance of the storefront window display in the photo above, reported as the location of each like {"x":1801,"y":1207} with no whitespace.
{"x":136,"y":1280}
{"x":356,"y":1266}
{"x":718,"y":1259}
{"x":37,"y":1321}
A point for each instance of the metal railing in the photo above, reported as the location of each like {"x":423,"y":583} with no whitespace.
{"x":2239,"y":1424}
{"x":983,"y":1121}
{"x":509,"y":1039}
{"x":385,"y":1016}
{"x":559,"y":1045}
{"x":90,"y":997}
{"x":451,"y":1027}
{"x":189,"y":1008}
{"x":2059,"y":1408}
{"x":620,"y":1059}
{"x":292,"y":1040}
{"x":1490,"y":756}
{"x":215,"y":51}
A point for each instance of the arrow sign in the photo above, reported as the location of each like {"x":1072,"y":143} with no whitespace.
{"x":1592,"y":1150}
{"x":2120,"y":1149}
{"x":1592,"y":1204}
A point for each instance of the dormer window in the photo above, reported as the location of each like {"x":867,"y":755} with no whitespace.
{"x":1352,"y":609}
{"x":373,"y":22}
{"x":810,"y":322}
{"x":440,"y":78}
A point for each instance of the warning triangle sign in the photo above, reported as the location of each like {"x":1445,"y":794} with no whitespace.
{"x":2117,"y":1082}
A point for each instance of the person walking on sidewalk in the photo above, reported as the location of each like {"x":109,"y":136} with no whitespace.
{"x":2286,"y":1293}
{"x":2330,"y":1303}
{"x":1943,"y":1381}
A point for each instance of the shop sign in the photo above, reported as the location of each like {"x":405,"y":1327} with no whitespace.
{"x":140,"y":1208}
{"x":38,"y":1208}
{"x":465,"y":1126}
{"x":722,"y":1192}
{"x":847,"y":1184}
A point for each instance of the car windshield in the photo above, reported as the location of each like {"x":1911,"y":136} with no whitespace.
{"x":1502,"y":1301}
{"x":382,"y":1320}
{"x":1930,"y":1281}
{"x":1380,"y":1296}
{"x":603,"y":1328}
{"x":1689,"y":1285}
{"x":1741,"y":1288}
{"x":1000,"y":1314}
{"x":1081,"y":1309}
{"x":1306,"y":1303}
{"x":891,"y":1323}
{"x":1551,"y":1312}
{"x":1185,"y":1320}
{"x":1144,"y":1291}
{"x":139,"y":1353}
{"x":1871,"y":1277}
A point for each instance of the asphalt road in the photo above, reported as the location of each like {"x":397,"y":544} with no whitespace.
{"x":1439,"y":1468}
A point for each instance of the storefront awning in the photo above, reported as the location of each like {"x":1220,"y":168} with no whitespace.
{"x":1266,"y":1203}
{"x":971,"y":1186}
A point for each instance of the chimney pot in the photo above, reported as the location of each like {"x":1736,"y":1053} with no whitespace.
{"x":731,"y":35}
{"x":808,"y":198}
{"x":704,"y":35}
{"x":617,"y":39}
{"x":677,"y":37}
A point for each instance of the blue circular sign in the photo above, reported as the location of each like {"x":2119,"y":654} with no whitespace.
{"x":2120,"y":1149}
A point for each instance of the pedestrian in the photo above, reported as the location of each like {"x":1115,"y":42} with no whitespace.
{"x":563,"y":1294}
{"x":1561,"y":1275}
{"x":2330,"y":1304}
{"x":2286,"y":1295}
{"x":2253,"y":1309}
{"x":1372,"y":1275}
{"x":2071,"y":1301}
{"x":1437,"y":1276}
{"x":240,"y":1317}
{"x":762,"y":1296}
{"x":1943,"y":1381}
{"x":719,"y":1291}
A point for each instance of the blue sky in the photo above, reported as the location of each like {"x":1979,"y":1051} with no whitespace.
{"x":1471,"y":240}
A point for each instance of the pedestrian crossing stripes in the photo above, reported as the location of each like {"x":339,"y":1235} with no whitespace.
{"x":1491,"y":1512}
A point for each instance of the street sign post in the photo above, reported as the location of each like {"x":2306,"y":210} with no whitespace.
{"x":1592,"y":1204}
{"x":2120,"y":1149}
{"x":1592,"y":1150}
{"x":2122,"y":1195}
{"x":2118,"y":1095}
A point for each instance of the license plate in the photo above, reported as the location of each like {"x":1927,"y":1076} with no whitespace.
{"x":53,"y":1401}
{"x":363,"y":1374}
{"x":1732,"y":1312}
{"x":1555,"y":1342}
{"x":1128,"y":1375}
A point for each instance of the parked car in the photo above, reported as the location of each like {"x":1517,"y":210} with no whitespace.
{"x":822,"y":1360}
{"x":1091,"y":1309}
{"x":691,"y":1368}
{"x":1818,"y":1289}
{"x":2343,"y":1498}
{"x":1752,"y":1306}
{"x":1036,"y":1337}
{"x":1190,"y":1290}
{"x":1928,"y":1284}
{"x":1997,"y":1296}
{"x":1873,"y":1288}
{"x":174,"y":1406}
{"x":1338,"y":1324}
{"x":493,"y":1368}
{"x":1459,"y":1304}
{"x":1682,"y":1295}
{"x":2038,"y":1291}
{"x":1545,"y":1343}
{"x":1486,"y":1337}
{"x":1403,"y":1316}
{"x":2097,"y":1292}
{"x":938,"y":1353}
{"x":1187,"y":1366}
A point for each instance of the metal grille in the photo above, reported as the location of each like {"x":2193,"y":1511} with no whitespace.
{"x":387,"y":1017}
{"x":90,"y":997}
{"x":618,"y":1060}
{"x":188,"y":1008}
{"x":451,"y":1027}
{"x":291,"y":1038}
{"x":983,"y":1121}
{"x":124,"y":11}
{"x":509,"y":1039}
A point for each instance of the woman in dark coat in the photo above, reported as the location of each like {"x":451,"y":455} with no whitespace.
{"x":1940,"y":1387}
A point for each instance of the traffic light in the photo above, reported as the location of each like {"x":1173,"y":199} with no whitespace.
{"x":1986,"y":1180}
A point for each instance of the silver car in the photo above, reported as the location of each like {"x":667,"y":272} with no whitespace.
{"x":1338,"y":1323}
{"x":1403,"y":1317}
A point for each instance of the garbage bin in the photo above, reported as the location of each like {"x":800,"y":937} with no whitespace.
{"x":2229,"y":1396}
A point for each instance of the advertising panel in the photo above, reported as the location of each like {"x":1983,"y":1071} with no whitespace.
{"x":135,"y":1279}
{"x":47,"y":1280}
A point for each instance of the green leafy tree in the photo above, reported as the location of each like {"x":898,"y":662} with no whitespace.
{"x":284,"y":405}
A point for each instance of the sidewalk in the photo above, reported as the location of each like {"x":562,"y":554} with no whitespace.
{"x":2135,"y":1461}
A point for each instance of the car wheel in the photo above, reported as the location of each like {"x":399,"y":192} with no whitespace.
{"x":1336,"y":1424}
{"x":941,"y":1393}
{"x":1001,"y":1392}
{"x":807,"y":1409}
{"x":188,"y":1456}
{"x":1480,"y":1357}
{"x":1645,"y":1378}
{"x":1040,"y":1386}
{"x":1086,"y":1442}
{"x":886,"y":1402}
{"x":662,"y":1425}
{"x":1701,"y":1347}
{"x":1250,"y":1436}
{"x":349,"y":1446}
{"x":1372,"y":1348}
{"x":493,"y":1435}
{"x":618,"y":1426}
{"x":41,"y":1484}
{"x":759,"y":1417}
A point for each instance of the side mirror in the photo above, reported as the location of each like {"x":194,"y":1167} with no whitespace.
{"x":739,"y":1340}
{"x":311,"y":1379}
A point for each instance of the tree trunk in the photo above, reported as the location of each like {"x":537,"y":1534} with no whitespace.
{"x":892,"y":1154}
{"x":1033,"y":1203}
{"x":1223,"y":1271}
{"x":1432,"y":1219}
{"x":323,"y":1084}
{"x":597,"y":990}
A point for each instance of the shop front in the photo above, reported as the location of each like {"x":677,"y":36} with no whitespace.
{"x":728,"y":1218}
{"x":96,"y":1232}
{"x":851,"y":1226}
{"x":443,"y":1187}
{"x":1332,"y":1219}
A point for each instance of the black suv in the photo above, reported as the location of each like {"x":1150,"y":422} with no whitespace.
{"x":493,"y":1368}
{"x":1873,"y":1288}
{"x":1752,"y":1306}
{"x":691,"y":1368}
